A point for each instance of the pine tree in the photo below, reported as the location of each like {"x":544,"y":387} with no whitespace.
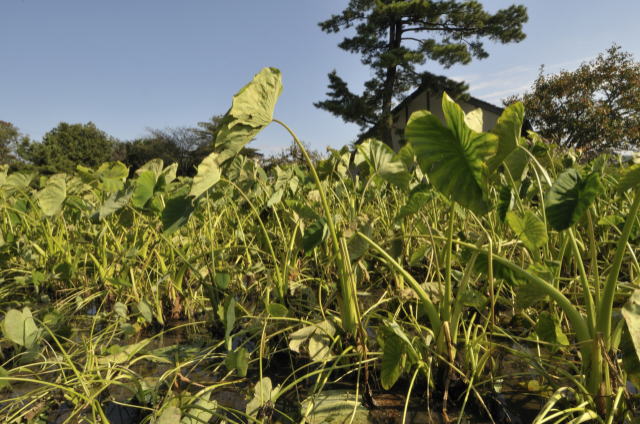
{"x":396,"y":37}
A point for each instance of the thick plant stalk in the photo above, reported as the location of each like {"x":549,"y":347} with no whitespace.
{"x":445,"y":308}
{"x":432,"y":312}
{"x":349,"y":316}
{"x":578,"y":322}
{"x":586,"y":289}
{"x":603,"y":324}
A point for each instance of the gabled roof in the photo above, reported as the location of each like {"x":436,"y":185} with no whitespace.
{"x":474,"y":101}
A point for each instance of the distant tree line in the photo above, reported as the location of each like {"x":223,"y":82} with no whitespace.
{"x":66,"y":146}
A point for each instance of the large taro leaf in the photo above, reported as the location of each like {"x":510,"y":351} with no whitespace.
{"x":529,"y":228}
{"x":473,"y":120}
{"x":251,"y":111}
{"x":52,"y":196}
{"x":20,"y":327}
{"x":453,"y":156}
{"x":18,"y":181}
{"x":334,"y":407}
{"x":508,"y":129}
{"x":154,"y":165}
{"x":631,"y":314}
{"x":114,"y":203}
{"x":630,"y":178}
{"x":383,"y":162}
{"x":207,"y":176}
{"x":144,"y":187}
{"x":569,"y":197}
{"x":112,"y":176}
{"x":314,"y":234}
{"x":176,"y":213}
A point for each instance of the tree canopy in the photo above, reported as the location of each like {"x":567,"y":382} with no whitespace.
{"x":595,"y":108}
{"x":10,"y":138}
{"x":396,"y":37}
{"x":69,"y":145}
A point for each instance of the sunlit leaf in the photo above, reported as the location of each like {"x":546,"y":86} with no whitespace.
{"x":383,"y":162}
{"x":508,"y":129}
{"x":251,"y":111}
{"x":453,"y":156}
{"x":143,"y":188}
{"x":52,"y":196}
{"x":630,"y":178}
{"x":20,"y":327}
{"x":528,"y":228}
{"x":207,"y":176}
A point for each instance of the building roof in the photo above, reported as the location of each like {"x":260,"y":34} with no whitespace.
{"x":474,"y":101}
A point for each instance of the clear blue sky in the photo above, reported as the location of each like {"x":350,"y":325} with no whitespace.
{"x":128,"y":65}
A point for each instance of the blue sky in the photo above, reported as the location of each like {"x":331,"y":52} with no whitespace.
{"x":129,"y":65}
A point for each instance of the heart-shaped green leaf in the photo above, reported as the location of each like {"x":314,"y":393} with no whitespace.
{"x":569,"y":198}
{"x":52,"y":196}
{"x":207,"y":176}
{"x":453,"y":156}
{"x":529,"y":229}
{"x":383,"y":162}
{"x":20,"y":327}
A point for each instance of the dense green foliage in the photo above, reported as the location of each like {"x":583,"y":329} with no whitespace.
{"x":595,"y":108}
{"x":10,"y":138}
{"x":466,"y":267}
{"x":69,"y":145}
{"x":396,"y":37}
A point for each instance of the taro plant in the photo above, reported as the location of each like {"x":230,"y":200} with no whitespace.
{"x":459,"y":163}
